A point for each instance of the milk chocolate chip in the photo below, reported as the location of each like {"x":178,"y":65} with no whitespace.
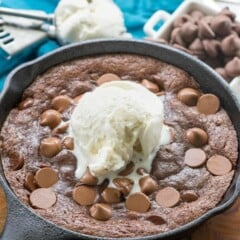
{"x":28,"y":102}
{"x":195,"y":157}
{"x":50,"y":118}
{"x":211,"y":47}
{"x":189,"y":32}
{"x":111,"y":195}
{"x":61,"y":129}
{"x":16,"y":161}
{"x":226,"y":11}
{"x":196,"y":15}
{"x":29,"y":182}
{"x":124,"y":185}
{"x":188,"y":96}
{"x":233,"y":67}
{"x":61,"y":103}
{"x":219,"y":165}
{"x":189,"y":196}
{"x":221,"y":25}
{"x":88,"y":178}
{"x":204,"y":30}
{"x":168,"y":197}
{"x":208,"y":104}
{"x":197,"y":48}
{"x":230,"y":45}
{"x":50,"y":147}
{"x":101,"y":211}
{"x":148,"y":185}
{"x":178,"y":22}
{"x":138,"y":202}
{"x":68,"y":143}
{"x":153,"y":87}
{"x":84,"y":195}
{"x":176,"y":37}
{"x":197,"y":137}
{"x":128,"y":169}
{"x":43,"y":198}
{"x":108,"y":77}
{"x":141,"y":171}
{"x":46,"y":177}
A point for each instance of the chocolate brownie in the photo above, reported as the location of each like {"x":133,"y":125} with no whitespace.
{"x":189,"y":176}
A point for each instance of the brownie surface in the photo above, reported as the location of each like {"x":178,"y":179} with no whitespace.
{"x":22,"y":134}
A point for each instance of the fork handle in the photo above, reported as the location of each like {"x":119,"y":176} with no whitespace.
{"x":38,"y":15}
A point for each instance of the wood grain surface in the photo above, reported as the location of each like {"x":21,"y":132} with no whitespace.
{"x":222,"y":227}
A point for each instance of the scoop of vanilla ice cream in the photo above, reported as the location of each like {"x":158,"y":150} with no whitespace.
{"x":114,"y":124}
{"x":78,"y":20}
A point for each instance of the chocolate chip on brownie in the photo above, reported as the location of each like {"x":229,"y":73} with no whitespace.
{"x":153,"y":87}
{"x":208,"y":104}
{"x":51,"y":118}
{"x":188,"y":96}
{"x":189,"y":196}
{"x":195,"y":157}
{"x":84,"y":195}
{"x":138,"y":202}
{"x":50,"y":147}
{"x":168,"y":197}
{"x":29,"y":182}
{"x":28,"y":102}
{"x":155,"y":219}
{"x":197,"y":137}
{"x":61,"y":103}
{"x":46,"y":177}
{"x":124,"y":185}
{"x":88,"y":178}
{"x":148,"y":185}
{"x":219,"y":165}
{"x":68,"y":143}
{"x":107,"y":77}
{"x":111,"y":195}
{"x":43,"y":198}
{"x":101,"y":211}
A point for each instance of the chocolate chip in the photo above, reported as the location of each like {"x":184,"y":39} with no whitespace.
{"x":189,"y":196}
{"x":50,"y":118}
{"x":233,"y":67}
{"x":211,"y":47}
{"x":16,"y":161}
{"x":84,"y":195}
{"x":227,"y":12}
{"x":221,"y":25}
{"x":141,"y":171}
{"x":155,"y":219}
{"x":219,"y":165}
{"x":108,"y":77}
{"x":61,"y":103}
{"x":195,"y":157}
{"x":62,"y":128}
{"x":188,"y":96}
{"x":111,"y":195}
{"x":77,"y":99}
{"x":148,"y":185}
{"x":50,"y":147}
{"x":29,"y":182}
{"x":189,"y":32}
{"x":138,"y":202}
{"x":153,"y":87}
{"x":132,"y":215}
{"x":176,"y":37}
{"x":178,"y":22}
{"x":43,"y":198}
{"x":197,"y":137}
{"x":230,"y":45}
{"x":204,"y":30}
{"x":168,"y":197}
{"x":208,"y":104}
{"x":68,"y":143}
{"x":197,"y":48}
{"x":128,"y":169}
{"x":28,"y":102}
{"x":101,"y":211}
{"x":46,"y":177}
{"x":236,"y":27}
{"x":88,"y":178}
{"x":196,"y":15}
{"x":124,"y":185}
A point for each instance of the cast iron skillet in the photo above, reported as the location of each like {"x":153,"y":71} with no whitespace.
{"x":23,"y":223}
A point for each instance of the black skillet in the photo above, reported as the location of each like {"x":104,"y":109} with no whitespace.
{"x":22,"y":223}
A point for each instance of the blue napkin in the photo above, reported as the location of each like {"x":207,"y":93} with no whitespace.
{"x":136,"y":13}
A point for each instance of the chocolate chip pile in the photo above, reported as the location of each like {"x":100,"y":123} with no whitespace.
{"x":98,"y":198}
{"x":213,"y":39}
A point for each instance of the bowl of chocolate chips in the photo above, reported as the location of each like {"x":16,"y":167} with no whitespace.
{"x":116,"y":139}
{"x":205,"y":31}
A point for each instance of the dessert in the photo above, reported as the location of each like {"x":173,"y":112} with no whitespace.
{"x":118,"y":145}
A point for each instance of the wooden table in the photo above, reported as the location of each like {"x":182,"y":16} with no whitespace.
{"x":223,"y":227}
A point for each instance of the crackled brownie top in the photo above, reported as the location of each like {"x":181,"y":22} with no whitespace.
{"x":189,"y":173}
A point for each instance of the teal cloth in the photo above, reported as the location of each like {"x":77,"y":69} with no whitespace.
{"x":136,"y":13}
